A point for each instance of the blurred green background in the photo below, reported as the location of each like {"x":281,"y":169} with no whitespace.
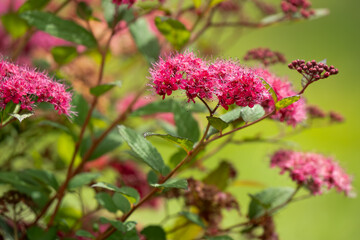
{"x":335,"y":37}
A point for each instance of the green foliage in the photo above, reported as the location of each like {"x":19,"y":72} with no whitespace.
{"x":14,"y":25}
{"x":83,"y":233}
{"x":33,"y":5}
{"x":154,"y":233}
{"x":285,"y":102}
{"x":223,"y":237}
{"x":217,"y":123}
{"x":64,"y":54}
{"x":106,"y":201}
{"x":36,"y":233}
{"x":270,"y":90}
{"x":82,"y":179}
{"x":103,"y":88}
{"x":267,"y":200}
{"x":121,"y":202}
{"x":114,"y":13}
{"x":173,"y":183}
{"x":21,"y":117}
{"x":228,"y":117}
{"x":142,"y":148}
{"x":192,"y":217}
{"x":131,"y":193}
{"x":84,"y":11}
{"x":58,"y":27}
{"x":173,"y":30}
{"x":185,"y":143}
{"x":220,"y":176}
{"x":252,"y":114}
{"x":81,"y":109}
{"x":145,"y":40}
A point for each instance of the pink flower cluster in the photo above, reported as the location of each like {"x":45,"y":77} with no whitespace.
{"x":292,"y":6}
{"x":25,"y":86}
{"x":313,"y":170}
{"x":225,"y":80}
{"x":293,"y":114}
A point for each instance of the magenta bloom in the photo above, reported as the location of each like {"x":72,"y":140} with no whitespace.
{"x":293,"y":114}
{"x":25,"y":86}
{"x":313,"y":170}
{"x":227,"y":81}
{"x":120,"y":2}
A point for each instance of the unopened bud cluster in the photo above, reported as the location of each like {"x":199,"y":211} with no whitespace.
{"x":313,"y":70}
{"x":290,"y":7}
{"x":265,"y":56}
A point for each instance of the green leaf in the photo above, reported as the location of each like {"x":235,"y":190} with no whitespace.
{"x":110,"y":9}
{"x":192,"y":217}
{"x":270,"y":90}
{"x":59,"y":27}
{"x":64,"y":54}
{"x":173,"y":183}
{"x":14,"y":25}
{"x":152,"y":177}
{"x":83,"y":11}
{"x":223,"y":237}
{"x":82,"y":179}
{"x":116,"y":224}
{"x":319,"y":12}
{"x":101,"y":89}
{"x":36,"y":233}
{"x":185,"y":143}
{"x":268,"y":199}
{"x":173,"y":30}
{"x":131,"y":193}
{"x":285,"y":102}
{"x":21,"y":117}
{"x":83,"y":233}
{"x":33,"y":5}
{"x":121,"y":202}
{"x":217,"y":123}
{"x":228,"y":117}
{"x":176,"y":158}
{"x":81,"y":109}
{"x":145,"y":40}
{"x":154,"y":233}
{"x":252,"y":114}
{"x":187,"y":126}
{"x":197,"y":3}
{"x":220,"y":176}
{"x":215,"y":2}
{"x":44,"y":177}
{"x":142,"y":148}
{"x":105,"y":200}
{"x":55,"y":125}
{"x":112,"y":141}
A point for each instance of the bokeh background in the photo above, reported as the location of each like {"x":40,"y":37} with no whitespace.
{"x":335,"y":37}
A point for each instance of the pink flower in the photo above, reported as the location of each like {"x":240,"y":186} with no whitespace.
{"x":24,"y":86}
{"x":313,"y":170}
{"x":293,"y":114}
{"x":120,"y":2}
{"x":124,"y":103}
{"x":45,"y":41}
{"x":225,"y":80}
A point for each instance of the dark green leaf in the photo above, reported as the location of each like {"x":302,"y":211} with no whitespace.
{"x":33,"y":5}
{"x":121,"y":202}
{"x":152,"y":177}
{"x":145,"y":40}
{"x":154,"y":233}
{"x":252,"y":114}
{"x":44,"y":177}
{"x":268,"y":199}
{"x":55,"y":125}
{"x":81,"y":109}
{"x":101,"y":89}
{"x":36,"y":233}
{"x":83,"y":233}
{"x":185,"y":143}
{"x":285,"y":102}
{"x":6,"y":230}
{"x":173,"y":30}
{"x":82,"y":179}
{"x":111,"y":17}
{"x":116,"y":224}
{"x":14,"y":25}
{"x":220,"y":176}
{"x":83,"y":10}
{"x":192,"y":217}
{"x":142,"y":148}
{"x":112,"y":141}
{"x":64,"y":54}
{"x":228,"y":117}
{"x":270,"y":90}
{"x":21,"y":117}
{"x":131,"y":193}
{"x":173,"y":183}
{"x":59,"y":27}
{"x":217,"y":123}
{"x":187,"y":126}
{"x":176,"y":158}
{"x":105,"y":200}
